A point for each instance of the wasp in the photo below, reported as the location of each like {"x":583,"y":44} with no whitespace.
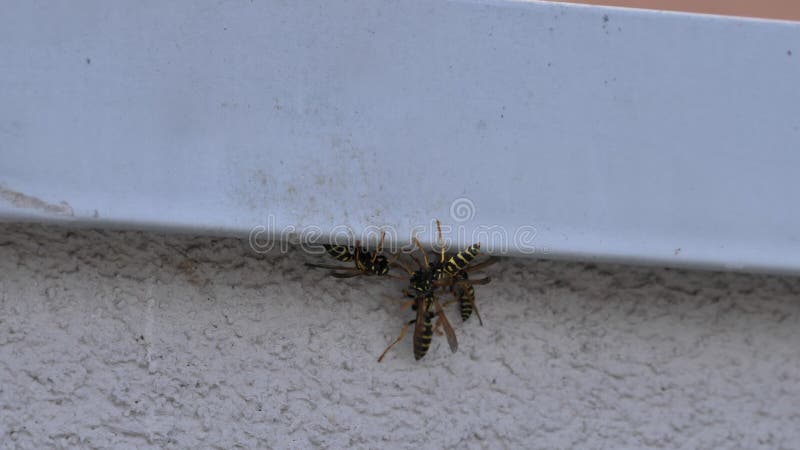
{"x":464,"y":293}
{"x":455,"y":270}
{"x":422,"y":289}
{"x":364,"y":262}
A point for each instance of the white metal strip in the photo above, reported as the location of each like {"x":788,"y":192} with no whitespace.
{"x":600,"y":133}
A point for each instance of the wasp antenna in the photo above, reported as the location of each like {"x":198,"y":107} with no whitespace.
{"x":441,"y":239}
{"x":421,"y":250}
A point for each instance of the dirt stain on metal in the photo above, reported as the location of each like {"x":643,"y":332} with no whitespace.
{"x":21,"y":200}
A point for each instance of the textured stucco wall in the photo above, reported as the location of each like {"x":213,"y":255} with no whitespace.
{"x":139,"y":339}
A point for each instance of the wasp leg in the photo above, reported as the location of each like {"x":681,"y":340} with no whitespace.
{"x":422,"y":250}
{"x":415,"y":259}
{"x":399,"y":338}
{"x":329,"y":266}
{"x":380,"y":247}
{"x":396,"y":261}
{"x":475,"y":309}
{"x":346,"y":274}
{"x":406,"y":304}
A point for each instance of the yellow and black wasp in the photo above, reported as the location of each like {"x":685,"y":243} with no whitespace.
{"x":423,"y":285}
{"x":455,"y":270}
{"x":422,"y":289}
{"x":364,"y":262}
{"x":464,"y":293}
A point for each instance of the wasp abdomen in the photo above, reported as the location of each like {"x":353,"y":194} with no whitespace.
{"x":339,"y":252}
{"x":462,"y":259}
{"x":423,"y":343}
{"x":465,"y":301}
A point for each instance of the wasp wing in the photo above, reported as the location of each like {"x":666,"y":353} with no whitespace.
{"x":448,"y":329}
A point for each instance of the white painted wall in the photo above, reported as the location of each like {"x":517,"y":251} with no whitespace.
{"x":115,"y":339}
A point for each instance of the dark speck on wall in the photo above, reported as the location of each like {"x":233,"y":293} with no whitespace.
{"x":789,"y":52}
{"x":88,"y":61}
{"x":605,"y":18}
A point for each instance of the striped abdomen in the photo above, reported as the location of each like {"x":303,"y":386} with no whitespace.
{"x":340,"y":252}
{"x":465,"y":294}
{"x":423,"y":328}
{"x":465,"y":301}
{"x":461,"y":260}
{"x":423,"y":342}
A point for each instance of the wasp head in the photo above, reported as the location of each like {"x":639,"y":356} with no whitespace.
{"x":380,"y":266}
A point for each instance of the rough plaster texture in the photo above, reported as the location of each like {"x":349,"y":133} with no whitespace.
{"x":143,"y":340}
